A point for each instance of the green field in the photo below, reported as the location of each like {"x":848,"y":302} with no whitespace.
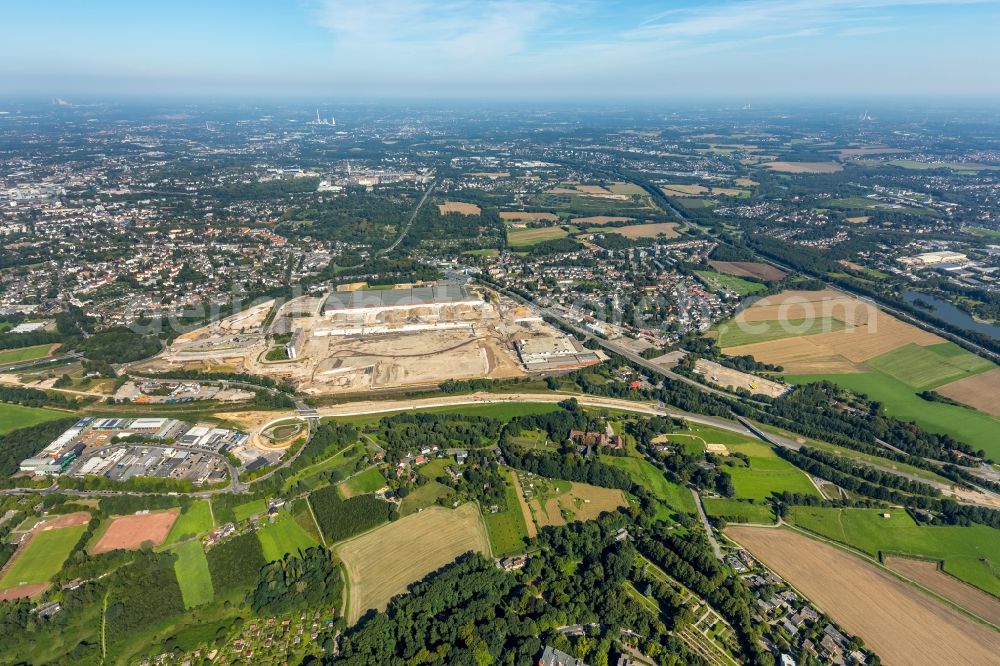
{"x":193,"y":577}
{"x":647,"y":475}
{"x":526,"y":237}
{"x":767,"y":473}
{"x":423,"y":496}
{"x":43,"y":557}
{"x":284,"y":536}
{"x":13,"y":417}
{"x":244,"y":511}
{"x":733,"y":334}
{"x":929,"y":367}
{"x":979,"y":430}
{"x":739,"y":285}
{"x":969,"y":553}
{"x":343,"y":459}
{"x":506,"y":530}
{"x":366,"y":482}
{"x":735,"y":511}
{"x":23,"y":354}
{"x":194,"y":521}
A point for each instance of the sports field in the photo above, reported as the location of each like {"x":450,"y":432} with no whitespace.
{"x":194,"y":520}
{"x":526,"y":237}
{"x":43,"y":557}
{"x":507,"y":529}
{"x":193,"y":576}
{"x":367,"y":482}
{"x":284,"y":536}
{"x":14,"y":417}
{"x":899,"y":623}
{"x":23,"y":354}
{"x":384,"y":562}
{"x":132,"y":532}
{"x":969,"y":553}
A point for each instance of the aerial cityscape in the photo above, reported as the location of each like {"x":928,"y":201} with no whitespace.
{"x":299,"y":366}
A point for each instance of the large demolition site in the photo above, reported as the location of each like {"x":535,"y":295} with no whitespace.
{"x":373,"y":339}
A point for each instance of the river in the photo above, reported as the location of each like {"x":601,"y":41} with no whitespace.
{"x":945,"y":311}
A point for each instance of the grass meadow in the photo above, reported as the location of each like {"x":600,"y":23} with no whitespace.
{"x":284,"y":536}
{"x":193,"y":577}
{"x":969,"y":553}
{"x":14,"y":417}
{"x":194,"y":520}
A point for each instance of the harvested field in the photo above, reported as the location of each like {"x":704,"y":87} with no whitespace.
{"x":668,"y":229}
{"x":677,"y":190}
{"x":513,"y":216}
{"x":872,"y":333}
{"x":900,"y":623}
{"x":929,"y":575}
{"x":979,"y":391}
{"x":385,"y":561}
{"x":130,"y":532}
{"x":861,"y":219}
{"x":459,"y":207}
{"x":580,"y":502}
{"x":524,"y":237}
{"x":752,"y":269}
{"x":598,"y":220}
{"x":805,"y":167}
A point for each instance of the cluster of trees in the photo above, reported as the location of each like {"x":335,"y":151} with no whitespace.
{"x":266,"y":189}
{"x":679,"y":464}
{"x":258,"y":380}
{"x":308,"y":581}
{"x":409,"y":432}
{"x":141,"y":594}
{"x":876,"y":476}
{"x":30,"y":397}
{"x":29,"y":339}
{"x":235,"y":564}
{"x":471,"y":612}
{"x":144,"y":484}
{"x":340,"y":519}
{"x":118,"y":345}
{"x":568,"y":466}
{"x":480,"y":480}
{"x":357,"y":217}
{"x":23,"y":443}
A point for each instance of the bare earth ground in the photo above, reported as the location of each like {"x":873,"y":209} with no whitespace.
{"x":668,"y":229}
{"x":23,"y":591}
{"x":748,"y":269}
{"x":980,"y":391}
{"x":805,"y":167}
{"x":736,"y":379}
{"x":385,"y":561}
{"x":929,"y":575}
{"x":459,"y":207}
{"x":525,"y":509}
{"x":900,"y":623}
{"x":130,"y":532}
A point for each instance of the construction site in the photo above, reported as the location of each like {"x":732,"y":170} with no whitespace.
{"x":356,"y":339}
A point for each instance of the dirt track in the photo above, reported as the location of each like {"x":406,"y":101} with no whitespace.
{"x":901,"y":624}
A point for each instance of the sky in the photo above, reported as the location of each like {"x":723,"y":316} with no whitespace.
{"x":501,"y":49}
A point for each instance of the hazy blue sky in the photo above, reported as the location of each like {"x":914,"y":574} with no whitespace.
{"x":606,"y":49}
